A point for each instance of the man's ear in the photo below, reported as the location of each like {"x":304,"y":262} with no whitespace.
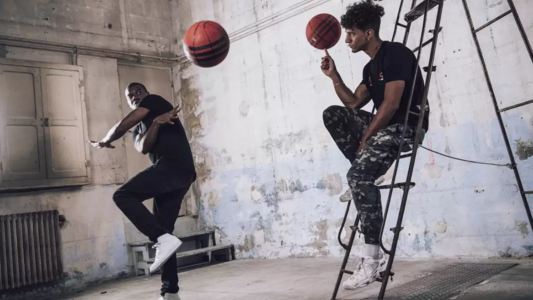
{"x":369,"y":33}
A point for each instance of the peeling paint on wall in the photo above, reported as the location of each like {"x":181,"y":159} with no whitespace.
{"x":523,"y":228}
{"x":244,"y":109}
{"x":432,"y":171}
{"x":261,"y":147}
{"x":524,"y":149}
{"x":331,"y":182}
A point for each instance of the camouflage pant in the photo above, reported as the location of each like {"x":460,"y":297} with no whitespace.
{"x":347,"y":126}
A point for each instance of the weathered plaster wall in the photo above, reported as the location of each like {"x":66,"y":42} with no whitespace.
{"x":125,"y":25}
{"x":270,"y":175}
{"x":95,"y":236}
{"x":93,"y":239}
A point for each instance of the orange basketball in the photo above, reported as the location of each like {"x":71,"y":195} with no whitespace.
{"x":206,"y":44}
{"x":323,"y":31}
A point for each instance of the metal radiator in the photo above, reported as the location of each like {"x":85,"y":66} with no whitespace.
{"x":29,"y":250}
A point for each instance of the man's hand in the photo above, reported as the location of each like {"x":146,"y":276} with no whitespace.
{"x":328,"y":65}
{"x":175,"y":110}
{"x":362,"y":145}
{"x":102,"y":144}
{"x":167,"y":118}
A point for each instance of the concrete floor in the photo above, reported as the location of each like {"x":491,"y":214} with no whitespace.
{"x":310,"y":279}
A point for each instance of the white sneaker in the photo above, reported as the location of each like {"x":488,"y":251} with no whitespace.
{"x":366,"y":272}
{"x":380,"y":180}
{"x":166,"y":246}
{"x":170,"y":296}
{"x":382,"y":266}
{"x":347,"y":196}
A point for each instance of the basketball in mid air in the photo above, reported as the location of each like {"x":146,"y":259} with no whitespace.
{"x":206,"y":44}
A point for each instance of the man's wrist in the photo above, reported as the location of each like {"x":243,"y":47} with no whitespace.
{"x":155,"y":125}
{"x":365,"y":136}
{"x":336,"y":78}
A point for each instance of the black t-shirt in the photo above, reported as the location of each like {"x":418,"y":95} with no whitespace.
{"x":171,"y":140}
{"x":394,"y":61}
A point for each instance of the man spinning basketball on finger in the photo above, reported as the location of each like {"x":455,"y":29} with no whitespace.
{"x":158,"y":132}
{"x":371,"y":142}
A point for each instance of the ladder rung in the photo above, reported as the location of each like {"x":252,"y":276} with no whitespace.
{"x":401,"y":25}
{"x":438,"y":30}
{"x":420,"y":9}
{"x":406,"y":155}
{"x":423,"y":45}
{"x":347,"y":272}
{"x":528,"y":192}
{"x":493,"y":20}
{"x":396,"y":185}
{"x":393,"y":229}
{"x":433,"y":69}
{"x":516,"y":105}
{"x":414,"y":114}
{"x":380,"y":277}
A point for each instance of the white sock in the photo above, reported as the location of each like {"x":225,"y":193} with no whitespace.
{"x":373,"y":251}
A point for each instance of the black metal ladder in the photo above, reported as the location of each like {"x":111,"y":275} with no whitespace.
{"x":415,"y":12}
{"x":497,"y":109}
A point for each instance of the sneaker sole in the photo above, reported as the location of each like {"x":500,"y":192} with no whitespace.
{"x":173,"y":252}
{"x":372,"y":278}
{"x":361,"y":285}
{"x":378,"y":182}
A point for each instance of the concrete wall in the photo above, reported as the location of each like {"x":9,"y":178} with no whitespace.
{"x":270,"y":175}
{"x":93,"y":240}
{"x":125,"y":25}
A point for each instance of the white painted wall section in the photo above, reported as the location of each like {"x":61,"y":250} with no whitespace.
{"x":270,"y":174}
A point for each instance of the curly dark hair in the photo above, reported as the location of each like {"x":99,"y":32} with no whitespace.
{"x":363,"y":15}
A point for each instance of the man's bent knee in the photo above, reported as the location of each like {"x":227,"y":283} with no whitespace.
{"x":120,"y":196}
{"x":357,"y":174}
{"x":331,"y":111}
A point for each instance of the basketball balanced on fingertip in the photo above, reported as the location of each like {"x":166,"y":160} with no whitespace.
{"x":323,"y":31}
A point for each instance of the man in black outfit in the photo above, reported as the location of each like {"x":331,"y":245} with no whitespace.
{"x":371,"y":142}
{"x":159,"y":133}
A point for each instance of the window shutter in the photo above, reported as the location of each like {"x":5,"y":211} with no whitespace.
{"x":21,"y":132}
{"x":63,"y":129}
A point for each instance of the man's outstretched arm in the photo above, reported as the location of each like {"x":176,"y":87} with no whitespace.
{"x":122,"y":127}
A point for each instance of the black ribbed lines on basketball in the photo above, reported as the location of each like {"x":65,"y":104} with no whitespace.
{"x":209,"y":39}
{"x":323,"y":31}
{"x":212,"y":54}
{"x":325,"y":25}
{"x":210,"y":44}
{"x":194,"y":35}
{"x":223,"y":41}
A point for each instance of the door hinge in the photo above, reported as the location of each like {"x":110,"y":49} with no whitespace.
{"x":1,"y":167}
{"x":87,"y":162}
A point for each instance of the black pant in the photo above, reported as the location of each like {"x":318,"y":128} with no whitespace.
{"x":167,"y":185}
{"x":347,"y":126}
